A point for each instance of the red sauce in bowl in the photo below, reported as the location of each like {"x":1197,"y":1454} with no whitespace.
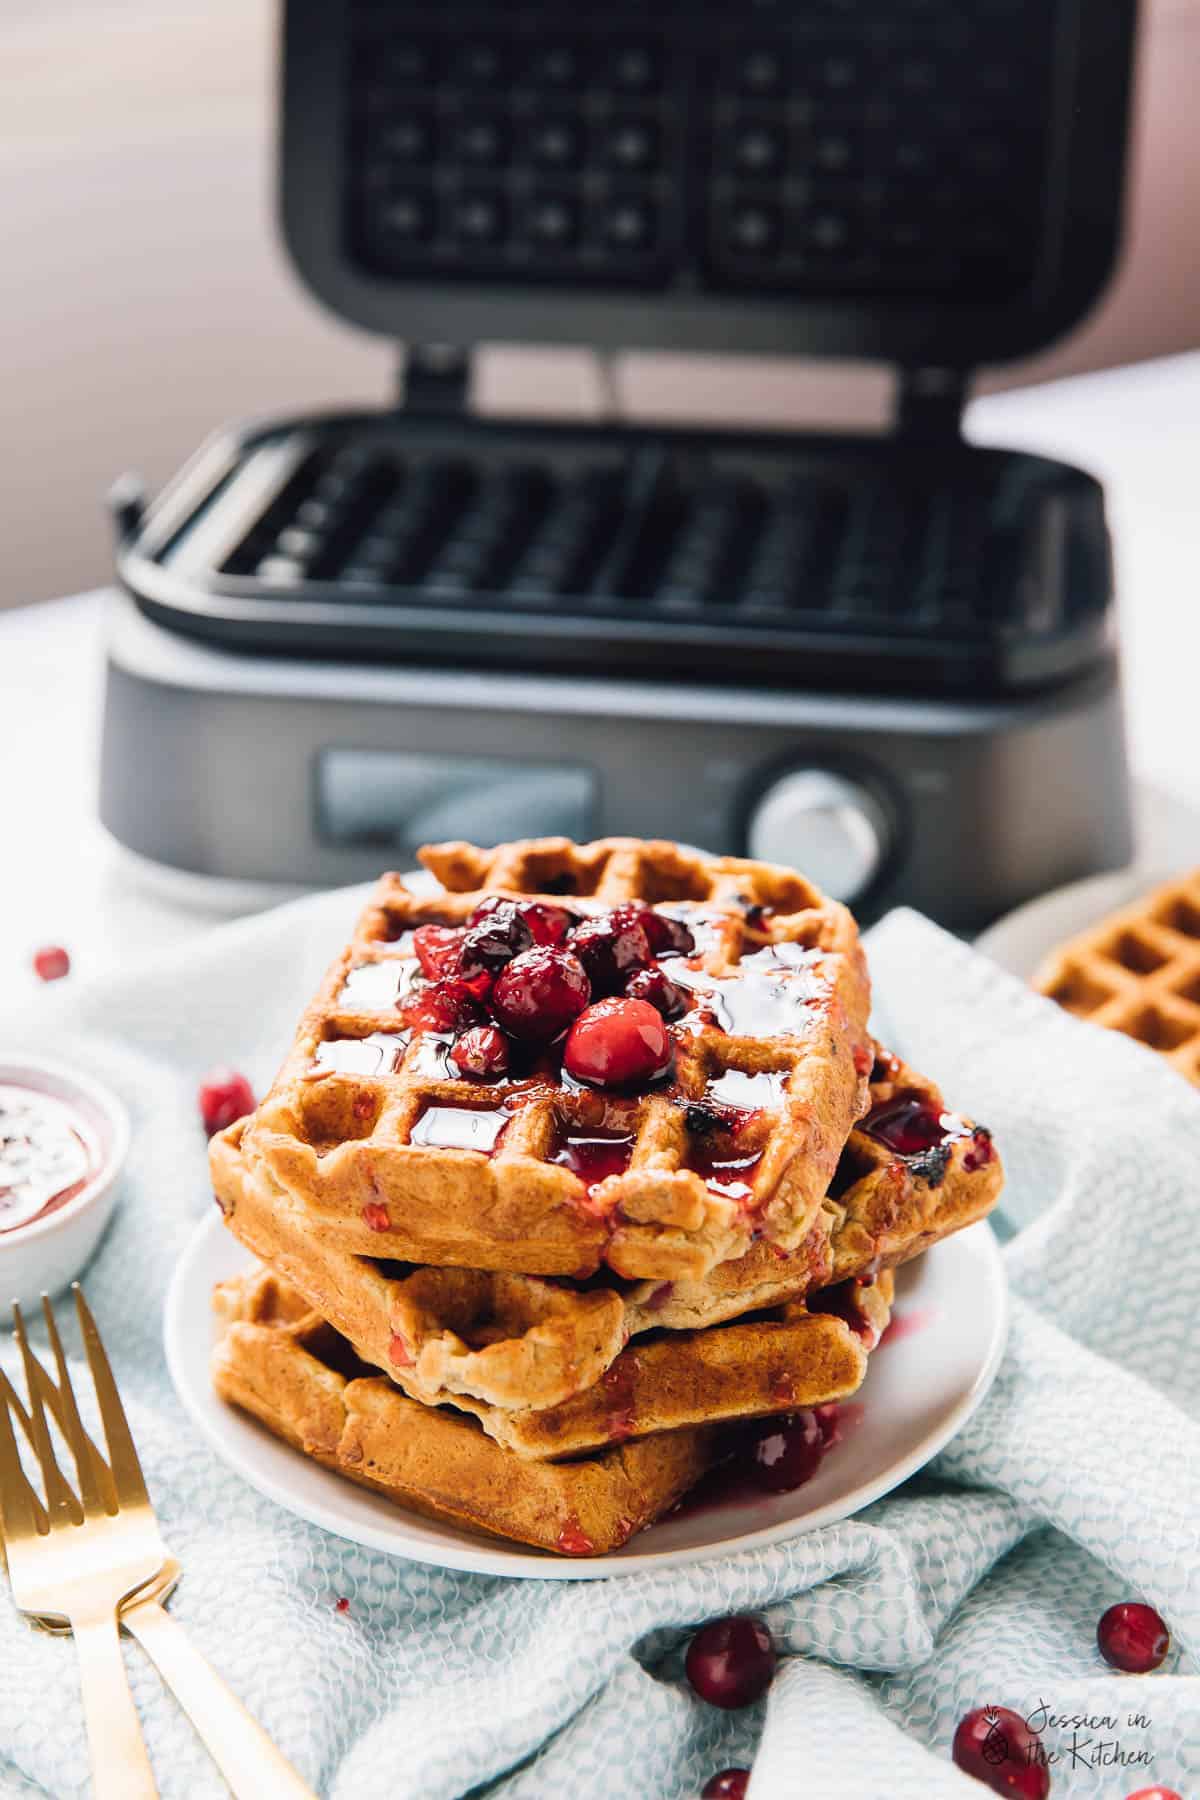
{"x":48,"y":1154}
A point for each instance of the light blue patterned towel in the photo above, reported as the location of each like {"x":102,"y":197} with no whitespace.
{"x":1077,"y":1483}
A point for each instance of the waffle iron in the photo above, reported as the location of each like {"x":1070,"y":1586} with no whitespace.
{"x":888,"y":659}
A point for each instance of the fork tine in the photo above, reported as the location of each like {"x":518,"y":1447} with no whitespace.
{"x":61,"y":1503}
{"x":16,"y":1497}
{"x":95,"y":1478}
{"x":15,"y":1512}
{"x":122,"y":1457}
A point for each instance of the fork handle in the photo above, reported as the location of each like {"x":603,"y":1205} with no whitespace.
{"x":241,"y":1749}
{"x":120,"y":1766}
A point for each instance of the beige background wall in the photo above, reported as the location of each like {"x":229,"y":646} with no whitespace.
{"x":144,"y":297}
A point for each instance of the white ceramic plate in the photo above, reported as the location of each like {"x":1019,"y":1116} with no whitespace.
{"x":1021,"y":939}
{"x":920,"y":1388}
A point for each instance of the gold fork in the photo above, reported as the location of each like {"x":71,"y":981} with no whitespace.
{"x":84,"y":1557}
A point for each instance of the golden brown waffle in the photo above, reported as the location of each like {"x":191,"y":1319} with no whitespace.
{"x":1139,"y":972}
{"x":500,"y":1343}
{"x":282,"y":1364}
{"x":345,"y":1130}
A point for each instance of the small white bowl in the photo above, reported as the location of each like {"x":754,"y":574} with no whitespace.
{"x":45,"y":1255}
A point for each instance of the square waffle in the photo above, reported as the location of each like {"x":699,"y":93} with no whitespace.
{"x":514,"y":1349}
{"x":1139,"y":972}
{"x":283,"y":1364}
{"x":390,"y":1153}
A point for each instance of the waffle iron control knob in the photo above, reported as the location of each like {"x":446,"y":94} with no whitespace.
{"x":827,"y":825}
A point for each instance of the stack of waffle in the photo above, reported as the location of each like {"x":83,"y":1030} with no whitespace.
{"x":535,"y":1303}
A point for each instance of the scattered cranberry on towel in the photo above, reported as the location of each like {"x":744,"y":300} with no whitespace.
{"x":731,"y":1661}
{"x":224,"y":1096}
{"x":997,"y":1747}
{"x":730,"y":1784}
{"x":1132,"y":1637}
{"x":51,"y":962}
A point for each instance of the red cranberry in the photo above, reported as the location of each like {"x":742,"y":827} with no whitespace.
{"x":663,"y":995}
{"x":437,"y":950}
{"x":617,"y":1041}
{"x":997,"y":1747}
{"x":906,"y":1126}
{"x":1132,"y":1637}
{"x":610,"y":949}
{"x":1155,"y":1793}
{"x":224,"y":1096}
{"x":51,"y":962}
{"x":539,"y":993}
{"x":494,"y":941}
{"x":665,"y":936}
{"x":784,"y":1453}
{"x":439,"y":1006}
{"x":481,"y":1052}
{"x":342,"y":1605}
{"x":730,"y":1784}
{"x":731,"y":1662}
{"x":548,"y":924}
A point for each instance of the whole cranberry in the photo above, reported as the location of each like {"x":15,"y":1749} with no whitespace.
{"x":617,"y":1041}
{"x":439,"y":1006}
{"x":997,"y":1747}
{"x":1132,"y":1637}
{"x":437,"y":950}
{"x":539,"y":993}
{"x":665,"y":936}
{"x":610,"y":949}
{"x":662,"y":993}
{"x":494,"y":941}
{"x":731,"y":1662}
{"x":1155,"y":1793}
{"x":480,"y":1052}
{"x":785,"y":1452}
{"x":224,"y":1096}
{"x":51,"y":962}
{"x":730,"y":1784}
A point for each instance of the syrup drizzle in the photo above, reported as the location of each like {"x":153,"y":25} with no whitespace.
{"x":736,"y":1088}
{"x":377,"y":986}
{"x":47,"y":1156}
{"x":769,"y":996}
{"x":594,"y":1155}
{"x":461,"y":1127}
{"x":728,"y":1176}
{"x":378,"y":1054}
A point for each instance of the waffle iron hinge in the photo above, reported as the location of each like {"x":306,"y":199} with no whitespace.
{"x":434,"y":379}
{"x":930,"y":403}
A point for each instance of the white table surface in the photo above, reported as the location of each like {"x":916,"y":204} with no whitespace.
{"x":62,"y":880}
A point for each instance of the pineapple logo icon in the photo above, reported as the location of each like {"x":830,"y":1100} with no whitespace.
{"x":994,"y":1748}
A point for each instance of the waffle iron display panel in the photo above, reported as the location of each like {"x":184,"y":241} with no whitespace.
{"x":898,"y":178}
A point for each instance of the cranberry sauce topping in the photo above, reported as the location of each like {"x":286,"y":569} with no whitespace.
{"x":594,"y":1155}
{"x":911,"y":1127}
{"x":377,"y":986}
{"x":47,"y":1155}
{"x":378,"y":1054}
{"x":731,"y":1177}
{"x":573,"y":1540}
{"x":842,"y":1302}
{"x":460,"y":1127}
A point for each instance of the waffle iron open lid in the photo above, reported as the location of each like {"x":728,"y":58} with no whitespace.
{"x":923,"y":183}
{"x":932,"y":185}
